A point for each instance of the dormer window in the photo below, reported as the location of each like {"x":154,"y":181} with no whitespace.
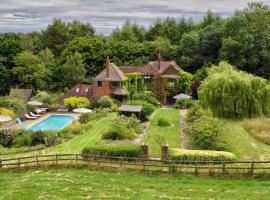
{"x":99,"y":83}
{"x":77,"y":90}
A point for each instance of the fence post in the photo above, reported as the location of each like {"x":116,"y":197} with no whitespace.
{"x":196,"y":169}
{"x":18,"y":163}
{"x":252,"y":169}
{"x":56,"y":159}
{"x":223,"y":168}
{"x":1,"y":164}
{"x":164,"y":151}
{"x":37,"y":159}
{"x":145,"y":151}
{"x":76,"y":158}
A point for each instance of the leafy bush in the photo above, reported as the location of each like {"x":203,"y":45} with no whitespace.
{"x":23,"y":138}
{"x":52,"y":138}
{"x":147,"y":108}
{"x":206,"y":133}
{"x":119,"y":131}
{"x":114,"y":108}
{"x":7,"y":112}
{"x":146,"y":97}
{"x":184,"y":103}
{"x":38,"y":138}
{"x":196,"y":112}
{"x":15,"y":104}
{"x":105,"y":102}
{"x":163,"y":122}
{"x":123,"y":128}
{"x":91,"y":117}
{"x":199,"y":155}
{"x":48,"y":100}
{"x":76,"y":102}
{"x":116,"y":151}
{"x":74,"y":129}
{"x":6,"y":138}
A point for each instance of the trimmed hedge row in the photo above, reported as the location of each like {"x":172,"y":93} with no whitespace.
{"x":134,"y":151}
{"x":199,"y":155}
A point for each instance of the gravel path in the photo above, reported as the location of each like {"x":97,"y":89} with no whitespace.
{"x":183,"y":137}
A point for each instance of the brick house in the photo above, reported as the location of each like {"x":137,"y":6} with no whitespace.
{"x":112,"y":81}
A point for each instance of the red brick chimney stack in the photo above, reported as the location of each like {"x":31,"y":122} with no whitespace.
{"x":108,"y":63}
{"x":159,"y":60}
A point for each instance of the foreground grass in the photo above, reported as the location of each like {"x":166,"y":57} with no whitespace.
{"x":67,"y":183}
{"x":76,"y":144}
{"x":156,"y":135}
{"x":243,"y":144}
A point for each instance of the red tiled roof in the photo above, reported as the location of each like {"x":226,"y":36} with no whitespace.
{"x":80,"y":90}
{"x":152,"y":68}
{"x":131,"y":69}
{"x":115,"y":74}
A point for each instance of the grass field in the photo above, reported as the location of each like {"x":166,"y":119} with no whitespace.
{"x":67,"y":183}
{"x":243,"y":144}
{"x":76,"y":144}
{"x":155,"y":135}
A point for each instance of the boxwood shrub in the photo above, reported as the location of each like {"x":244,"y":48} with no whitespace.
{"x":199,"y":155}
{"x":114,"y":151}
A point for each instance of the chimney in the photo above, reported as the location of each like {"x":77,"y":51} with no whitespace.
{"x":108,"y":63}
{"x":159,"y":60}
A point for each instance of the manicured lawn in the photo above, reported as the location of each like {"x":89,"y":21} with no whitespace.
{"x":155,"y":135}
{"x":243,"y":144}
{"x":76,"y":144}
{"x":59,"y":183}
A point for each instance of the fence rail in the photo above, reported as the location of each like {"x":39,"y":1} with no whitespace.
{"x":239,"y":168}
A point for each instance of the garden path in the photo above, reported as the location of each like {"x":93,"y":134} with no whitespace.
{"x":183,"y":136}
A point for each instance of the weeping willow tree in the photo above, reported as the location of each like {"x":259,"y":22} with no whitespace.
{"x":234,"y":94}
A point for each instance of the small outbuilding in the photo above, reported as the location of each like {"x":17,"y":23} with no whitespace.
{"x":128,"y":110}
{"x":26,"y":93}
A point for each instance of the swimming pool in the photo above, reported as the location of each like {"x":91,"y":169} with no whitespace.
{"x":52,"y":122}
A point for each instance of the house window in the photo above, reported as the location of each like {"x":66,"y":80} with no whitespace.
{"x":116,"y":84}
{"x":148,"y":79}
{"x":86,"y":90}
{"x":99,"y":83}
{"x":171,"y":83}
{"x":77,"y":90}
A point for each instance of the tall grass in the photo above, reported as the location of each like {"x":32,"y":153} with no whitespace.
{"x":259,"y":128}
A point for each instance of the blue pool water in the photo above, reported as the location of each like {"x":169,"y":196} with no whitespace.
{"x":53,"y":122}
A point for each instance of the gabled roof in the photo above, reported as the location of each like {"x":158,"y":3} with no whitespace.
{"x":26,"y":93}
{"x":132,"y":69}
{"x":115,"y":74}
{"x":152,"y":68}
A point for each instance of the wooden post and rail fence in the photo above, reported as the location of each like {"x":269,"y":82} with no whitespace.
{"x":233,"y":168}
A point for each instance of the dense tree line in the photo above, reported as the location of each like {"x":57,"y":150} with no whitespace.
{"x":67,"y":53}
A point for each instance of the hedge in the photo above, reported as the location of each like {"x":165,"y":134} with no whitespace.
{"x":114,"y":151}
{"x":199,"y":155}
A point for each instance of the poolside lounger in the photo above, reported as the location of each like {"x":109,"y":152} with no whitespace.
{"x":34,"y":115}
{"x":29,"y":117}
{"x":60,"y":110}
{"x":40,"y":110}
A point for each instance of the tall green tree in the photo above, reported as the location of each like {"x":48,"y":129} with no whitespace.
{"x":29,"y":71}
{"x":79,"y":29}
{"x":73,"y":70}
